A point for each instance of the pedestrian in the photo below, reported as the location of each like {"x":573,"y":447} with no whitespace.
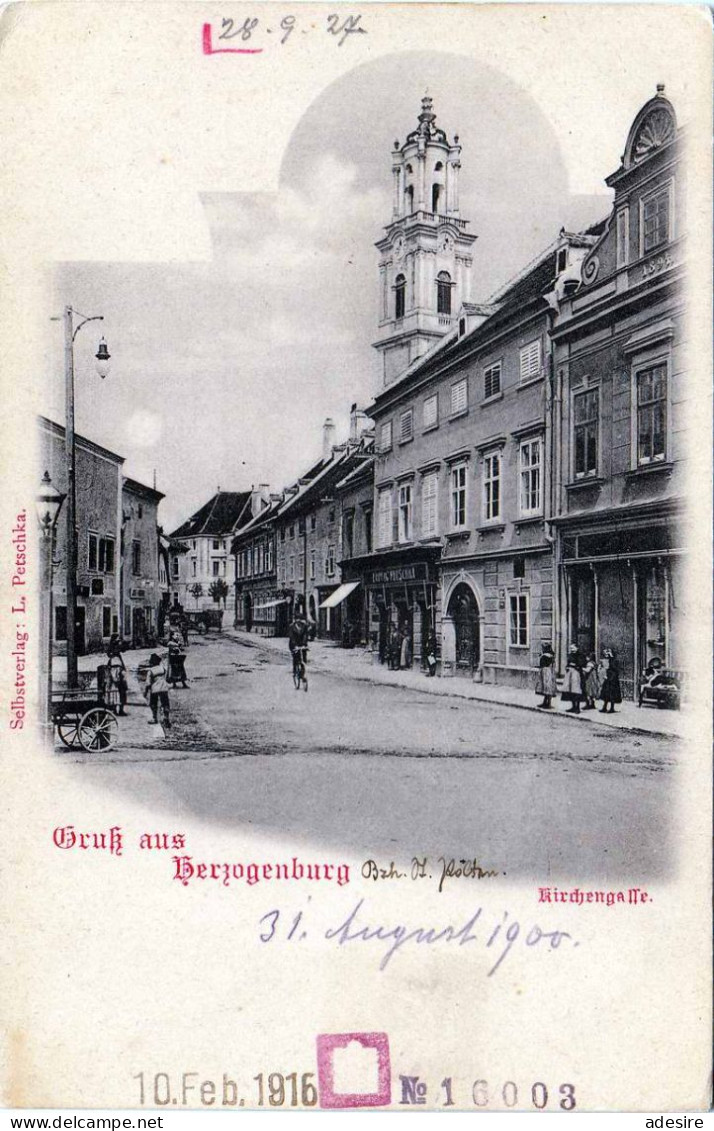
{"x":177,"y":661}
{"x":430,"y":653}
{"x":591,"y":682}
{"x":405,"y":650}
{"x":611,"y":691}
{"x":157,"y":691}
{"x":395,"y":647}
{"x":545,"y":680}
{"x":117,"y":671}
{"x":183,"y":625}
{"x":572,"y":691}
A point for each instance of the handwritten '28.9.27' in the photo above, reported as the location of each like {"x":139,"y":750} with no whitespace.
{"x":337,"y":26}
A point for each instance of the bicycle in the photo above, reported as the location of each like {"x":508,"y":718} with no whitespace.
{"x":299,"y":668}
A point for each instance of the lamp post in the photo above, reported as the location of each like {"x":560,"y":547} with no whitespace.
{"x":102,"y":356}
{"x":48,"y":505}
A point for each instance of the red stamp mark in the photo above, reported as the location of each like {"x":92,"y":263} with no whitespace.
{"x":209,"y":49}
{"x":353,"y":1069}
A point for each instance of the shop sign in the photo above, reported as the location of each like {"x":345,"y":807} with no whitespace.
{"x":393,"y":575}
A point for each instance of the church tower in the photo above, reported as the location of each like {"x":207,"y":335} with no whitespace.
{"x":425,"y":254}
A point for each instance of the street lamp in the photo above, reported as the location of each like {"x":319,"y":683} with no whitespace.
{"x":48,"y":505}
{"x":102,"y":356}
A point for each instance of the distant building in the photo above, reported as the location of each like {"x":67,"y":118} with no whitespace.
{"x":141,"y":597}
{"x":207,"y":537}
{"x":260,"y":606}
{"x":621,"y":390}
{"x":309,"y":534}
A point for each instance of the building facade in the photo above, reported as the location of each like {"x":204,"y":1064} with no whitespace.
{"x":141,"y":593}
{"x":117,"y":546}
{"x":622,"y":391}
{"x":309,"y":539}
{"x":259,"y":607}
{"x":207,"y":536}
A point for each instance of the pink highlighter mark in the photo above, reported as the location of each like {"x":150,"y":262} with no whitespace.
{"x":209,"y":49}
{"x":327,"y":1044}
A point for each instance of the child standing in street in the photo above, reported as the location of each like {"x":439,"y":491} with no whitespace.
{"x":157,"y":691}
{"x":545,"y":680}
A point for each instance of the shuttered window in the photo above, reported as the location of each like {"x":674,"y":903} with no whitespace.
{"x":459,"y":397}
{"x":406,"y":426}
{"x":431,"y":411}
{"x":384,"y":528}
{"x":530,"y":361}
{"x":429,"y":501}
{"x":385,"y":436}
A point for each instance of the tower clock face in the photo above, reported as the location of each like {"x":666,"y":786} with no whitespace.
{"x":399,"y":247}
{"x":446,"y":243}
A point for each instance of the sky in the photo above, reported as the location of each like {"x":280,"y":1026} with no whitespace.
{"x":224,"y":369}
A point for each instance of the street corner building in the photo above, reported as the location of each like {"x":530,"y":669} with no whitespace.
{"x":117,"y":536}
{"x":529,"y":448}
{"x":620,"y":381}
{"x":200,"y":575}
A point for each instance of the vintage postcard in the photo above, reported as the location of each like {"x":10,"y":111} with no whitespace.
{"x":356,"y":570}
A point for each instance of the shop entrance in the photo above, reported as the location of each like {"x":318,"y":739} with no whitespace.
{"x":652,"y":616}
{"x":582,"y":619}
{"x":463,"y":609}
{"x":405,"y":624}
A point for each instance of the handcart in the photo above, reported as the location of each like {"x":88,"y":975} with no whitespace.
{"x":84,"y":717}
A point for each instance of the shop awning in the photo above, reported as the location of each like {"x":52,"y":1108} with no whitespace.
{"x":339,"y":595}
{"x":271,"y":604}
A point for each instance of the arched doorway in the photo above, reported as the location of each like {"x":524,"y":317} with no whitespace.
{"x":463,"y":610}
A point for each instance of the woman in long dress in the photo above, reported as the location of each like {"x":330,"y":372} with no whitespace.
{"x":592,"y":683}
{"x":611,"y":691}
{"x":572,"y":691}
{"x":545,"y":680}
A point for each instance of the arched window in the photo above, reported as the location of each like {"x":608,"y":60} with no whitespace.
{"x":438,"y":167}
{"x":435,"y":196}
{"x":409,"y":197}
{"x":443,"y":292}
{"x":400,"y":287}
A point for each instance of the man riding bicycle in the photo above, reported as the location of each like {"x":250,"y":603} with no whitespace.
{"x":298,"y":640}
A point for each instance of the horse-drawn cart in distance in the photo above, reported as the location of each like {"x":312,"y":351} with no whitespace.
{"x":203,"y":620}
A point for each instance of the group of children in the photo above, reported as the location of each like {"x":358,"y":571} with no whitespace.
{"x":586,"y":680}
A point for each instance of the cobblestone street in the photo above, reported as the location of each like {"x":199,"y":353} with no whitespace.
{"x":397,"y":763}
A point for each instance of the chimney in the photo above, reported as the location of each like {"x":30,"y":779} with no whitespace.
{"x":359,"y":423}
{"x":328,"y":437}
{"x":259,"y":498}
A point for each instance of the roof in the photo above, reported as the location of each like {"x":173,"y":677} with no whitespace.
{"x":222,"y":514}
{"x":142,"y":489}
{"x":527,"y":288}
{"x":363,"y":468}
{"x":58,"y":430}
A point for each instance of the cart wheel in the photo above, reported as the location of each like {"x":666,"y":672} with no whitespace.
{"x":68,"y":730}
{"x":98,"y":729}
